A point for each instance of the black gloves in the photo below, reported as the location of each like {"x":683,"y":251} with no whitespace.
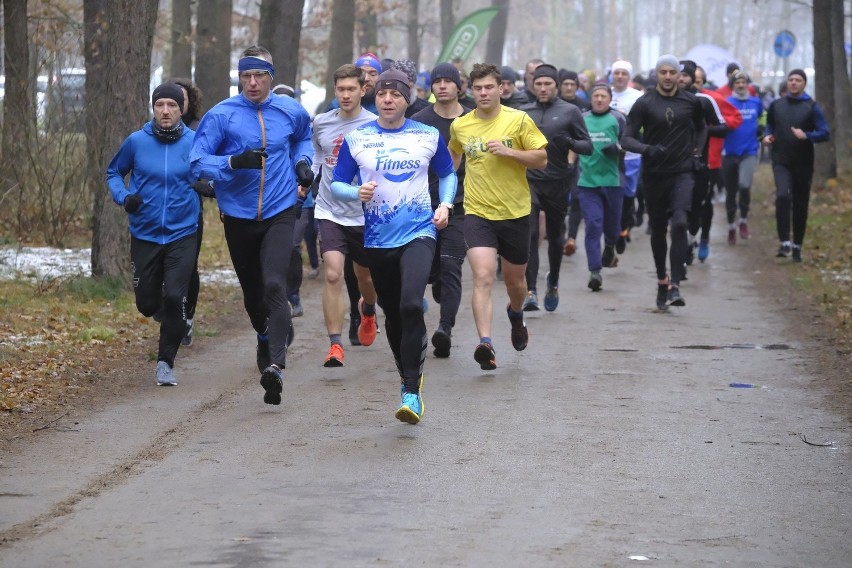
{"x":655,"y":151}
{"x":611,"y":150}
{"x":563,"y":142}
{"x":248,"y":160}
{"x":304,"y":175}
{"x":204,"y":188}
{"x":132,"y":202}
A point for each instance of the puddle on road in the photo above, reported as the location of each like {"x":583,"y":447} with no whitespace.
{"x":621,"y":350}
{"x":770,"y":347}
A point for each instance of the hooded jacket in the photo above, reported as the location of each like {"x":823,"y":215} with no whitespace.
{"x":160,"y":173}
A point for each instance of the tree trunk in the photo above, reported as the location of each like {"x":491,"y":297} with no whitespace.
{"x":368,"y":39}
{"x":18,"y":109}
{"x":413,"y":26}
{"x":497,"y":33}
{"x":824,"y":165}
{"x":842,"y":132}
{"x":118,"y":37}
{"x":213,"y":51}
{"x":181,"y":60}
{"x":448,"y":22}
{"x":280,"y":33}
{"x":340,"y":43}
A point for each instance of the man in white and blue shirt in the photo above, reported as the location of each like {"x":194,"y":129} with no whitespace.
{"x":390,"y":158}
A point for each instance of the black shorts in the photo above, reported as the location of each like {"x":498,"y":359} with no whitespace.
{"x":510,"y":237}
{"x":346,"y":239}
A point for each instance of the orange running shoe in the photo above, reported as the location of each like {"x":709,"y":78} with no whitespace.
{"x":335,"y":356}
{"x":367,"y":329}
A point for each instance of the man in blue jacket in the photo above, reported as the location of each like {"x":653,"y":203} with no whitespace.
{"x":163,"y":213}
{"x":256,"y":147}
{"x":794,"y":123}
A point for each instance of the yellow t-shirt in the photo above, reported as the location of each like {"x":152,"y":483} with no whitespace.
{"x":495,"y":187}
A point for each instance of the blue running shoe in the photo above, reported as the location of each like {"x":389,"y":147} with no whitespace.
{"x":551,"y":297}
{"x":531,"y":302}
{"x":703,"y":250}
{"x":412,"y":408}
{"x":425,"y":305}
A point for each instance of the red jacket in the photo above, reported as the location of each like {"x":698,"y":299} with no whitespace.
{"x":733,"y":119}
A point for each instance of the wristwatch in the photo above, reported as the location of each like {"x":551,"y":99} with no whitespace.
{"x":449,"y":207}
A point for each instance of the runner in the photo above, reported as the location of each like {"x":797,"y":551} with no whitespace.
{"x":391,"y":158}
{"x":499,"y":144}
{"x":341,"y":223}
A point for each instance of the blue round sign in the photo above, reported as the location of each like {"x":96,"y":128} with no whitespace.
{"x":785,"y":41}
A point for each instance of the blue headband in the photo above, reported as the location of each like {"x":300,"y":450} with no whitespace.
{"x":251,"y":63}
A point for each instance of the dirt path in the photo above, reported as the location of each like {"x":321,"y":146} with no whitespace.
{"x":615,"y":435}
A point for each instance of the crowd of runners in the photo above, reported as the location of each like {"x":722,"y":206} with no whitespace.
{"x":408,"y":174}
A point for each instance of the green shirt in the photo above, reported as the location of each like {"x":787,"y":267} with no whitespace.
{"x":600,"y":170}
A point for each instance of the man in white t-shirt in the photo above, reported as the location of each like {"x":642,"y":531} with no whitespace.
{"x":623,"y":97}
{"x":341,"y":223}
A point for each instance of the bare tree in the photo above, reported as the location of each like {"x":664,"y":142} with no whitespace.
{"x":448,"y":21}
{"x":824,"y":163}
{"x":413,"y":26}
{"x":342,"y":36}
{"x":842,"y":131}
{"x":213,"y":50}
{"x":118,"y":39}
{"x":18,"y":109}
{"x":181,"y":60}
{"x":280,"y":33}
{"x":497,"y":33}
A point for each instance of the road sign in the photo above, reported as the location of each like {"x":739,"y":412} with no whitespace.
{"x":785,"y":41}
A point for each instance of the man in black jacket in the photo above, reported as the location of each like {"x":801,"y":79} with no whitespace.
{"x":563,"y":126}
{"x":674,"y":132}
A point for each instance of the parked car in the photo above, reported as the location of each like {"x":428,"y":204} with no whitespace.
{"x":66,"y":103}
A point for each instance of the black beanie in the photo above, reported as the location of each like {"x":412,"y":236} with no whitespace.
{"x":446,"y":71}
{"x":546,"y":70}
{"x":688,"y":66}
{"x":168,"y":91}
{"x":508,"y":74}
{"x":799,"y":72}
{"x":565,"y":75}
{"x":396,"y":80}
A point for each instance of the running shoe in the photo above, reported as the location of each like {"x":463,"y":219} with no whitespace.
{"x":703,"y":250}
{"x":263,"y":359}
{"x":271,"y":382}
{"x":662,"y":296}
{"x":412,"y":408}
{"x":551,"y":297}
{"x":673,"y":297}
{"x":165,"y":376}
{"x":690,"y":253}
{"x":485,"y":356}
{"x":784,"y":250}
{"x":531,"y":302}
{"x":354,"y":324}
{"x":570,"y":247}
{"x":732,"y":236}
{"x":367,"y":329}
{"x":442,"y":341}
{"x":609,"y":258}
{"x":186,"y":341}
{"x":335,"y":356}
{"x":744,"y":234}
{"x":621,"y":243}
{"x":595,"y":281}
{"x":313,"y":273}
{"x":520,"y":334}
{"x":296,"y":309}
{"x":797,"y":253}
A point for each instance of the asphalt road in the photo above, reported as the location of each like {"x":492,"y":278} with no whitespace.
{"x":613,"y":440}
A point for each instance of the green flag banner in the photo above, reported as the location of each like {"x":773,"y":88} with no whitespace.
{"x":467,"y":33}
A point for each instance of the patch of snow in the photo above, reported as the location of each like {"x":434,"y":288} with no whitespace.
{"x":39,"y":263}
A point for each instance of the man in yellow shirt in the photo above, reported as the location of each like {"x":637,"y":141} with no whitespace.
{"x":499,"y":144}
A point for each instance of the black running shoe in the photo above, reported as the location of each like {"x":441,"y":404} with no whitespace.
{"x":442,"y":341}
{"x":271,"y":382}
{"x":621,"y":244}
{"x":595,"y":281}
{"x":485,"y":356}
{"x":520,"y":335}
{"x":797,"y":253}
{"x":263,"y":359}
{"x":673,"y":297}
{"x":783,"y":251}
{"x":354,"y":324}
{"x":690,"y":253}
{"x":662,"y":296}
